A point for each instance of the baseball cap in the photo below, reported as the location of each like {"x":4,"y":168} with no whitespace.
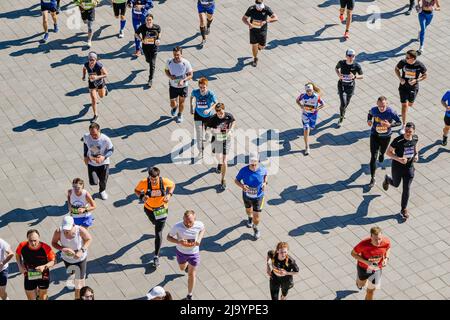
{"x":253,"y":157}
{"x":309,"y":86}
{"x":156,"y":292}
{"x":350,"y":52}
{"x":67,"y":223}
{"x":410,"y":125}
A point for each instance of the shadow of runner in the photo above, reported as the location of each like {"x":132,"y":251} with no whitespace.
{"x":381,"y":56}
{"x":341,"y":294}
{"x":434,"y":155}
{"x":32,"y":11}
{"x":211,"y":73}
{"x":37,"y":215}
{"x":210,"y":244}
{"x":127,"y":131}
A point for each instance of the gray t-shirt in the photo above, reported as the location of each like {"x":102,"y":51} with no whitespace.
{"x":179,"y":70}
{"x":97,"y":147}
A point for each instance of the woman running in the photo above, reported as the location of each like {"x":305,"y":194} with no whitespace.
{"x":425,"y":9}
{"x":81,"y":204}
{"x":97,"y":85}
{"x":311,"y":103}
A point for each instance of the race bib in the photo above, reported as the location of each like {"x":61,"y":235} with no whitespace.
{"x":346,"y":78}
{"x":381,"y":129}
{"x":222,"y":136}
{"x":410,"y":74}
{"x":205,"y":3}
{"x":277,"y":271}
{"x":252,"y":192}
{"x":155,"y":193}
{"x":161,"y":213}
{"x":137,"y":9}
{"x":34,"y":275}
{"x":409,"y":152}
{"x":257,"y":24}
{"x":309,"y":109}
{"x":149,"y":40}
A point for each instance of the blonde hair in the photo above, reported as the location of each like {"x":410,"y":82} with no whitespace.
{"x":315,"y":88}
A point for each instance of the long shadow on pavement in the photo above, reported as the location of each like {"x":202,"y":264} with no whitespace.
{"x":212,"y":73}
{"x":127,"y":131}
{"x":381,"y":56}
{"x":34,"y":216}
{"x":432,"y":156}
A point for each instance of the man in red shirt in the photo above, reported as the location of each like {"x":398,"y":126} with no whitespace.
{"x":372,"y":255}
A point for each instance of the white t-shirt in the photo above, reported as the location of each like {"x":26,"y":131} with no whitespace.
{"x":97,"y":147}
{"x":4,"y":246}
{"x":178,"y":70}
{"x":180,"y":232}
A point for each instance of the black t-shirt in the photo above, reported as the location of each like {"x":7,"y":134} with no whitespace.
{"x":256,"y":17}
{"x":289,"y":265}
{"x":405,"y":148}
{"x":223,"y":124}
{"x":149,"y":35}
{"x":346,"y":69}
{"x":411,"y":71}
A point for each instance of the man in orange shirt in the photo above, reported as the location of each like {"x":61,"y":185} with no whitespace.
{"x":372,"y":255}
{"x":156,"y":192}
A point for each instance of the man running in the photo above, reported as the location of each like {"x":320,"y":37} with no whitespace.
{"x":46,"y":7}
{"x":149,"y":34}
{"x":260,"y":15}
{"x":382,"y":119}
{"x":205,"y":10}
{"x":98,"y":148}
{"x":156,"y":192}
{"x":410,"y":72}
{"x":446,"y":103}
{"x":140,"y":10}
{"x":349,"y":5}
{"x":120,"y":10}
{"x":348,"y":71}
{"x":73,"y":241}
{"x":372,"y":255}
{"x":205,"y":102}
{"x":252,"y":179}
{"x":96,"y":81}
{"x":34,"y":259}
{"x":222,"y":124}
{"x":404,"y":152}
{"x":179,"y":71}
{"x":6,"y":254}
{"x":188,"y":235}
{"x":87,"y":10}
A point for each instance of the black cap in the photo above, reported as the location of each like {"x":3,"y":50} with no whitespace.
{"x":410,"y":125}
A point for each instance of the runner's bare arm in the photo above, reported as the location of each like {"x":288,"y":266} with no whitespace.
{"x":200,"y":237}
{"x":87,"y":238}
{"x":172,"y":239}
{"x":91,"y":202}
{"x":359,"y":258}
{"x":273,"y":18}
{"x":245,"y":21}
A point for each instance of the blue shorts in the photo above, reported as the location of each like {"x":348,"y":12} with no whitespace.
{"x":309,"y":120}
{"x":203,"y":9}
{"x":3,"y":277}
{"x":84,"y":222}
{"x":48,"y":7}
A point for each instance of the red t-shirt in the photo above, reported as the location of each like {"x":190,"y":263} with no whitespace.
{"x":33,"y":258}
{"x":368,"y":251}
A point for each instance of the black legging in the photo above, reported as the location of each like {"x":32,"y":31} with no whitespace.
{"x":276,"y":283}
{"x":402,"y":172}
{"x":411,"y":4}
{"x":380,"y":144}
{"x":101,"y":178}
{"x":345,"y":99}
{"x":150,"y":52}
{"x":159,"y":226}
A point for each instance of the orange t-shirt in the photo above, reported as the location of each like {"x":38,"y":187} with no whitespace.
{"x":368,"y":251}
{"x":156,"y":201}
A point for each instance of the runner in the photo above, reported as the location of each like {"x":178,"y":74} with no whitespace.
{"x":158,"y":293}
{"x":222,"y":124}
{"x":382,"y":119}
{"x":46,"y":7}
{"x":372,"y":255}
{"x":310,"y":103}
{"x":156,"y":193}
{"x":98,"y":148}
{"x":5,"y":256}
{"x":281,"y":268}
{"x":34,"y":259}
{"x":410,"y":72}
{"x":252,"y":179}
{"x":425,"y":16}
{"x":404,"y":152}
{"x":139,"y":12}
{"x":96,"y":80}
{"x":87,"y":10}
{"x":86,"y":293}
{"x":446,"y":103}
{"x":348,"y":71}
{"x":411,"y":7}
{"x":205,"y":103}
{"x":260,"y":15}
{"x":188,"y":235}
{"x":80,"y":203}
{"x":73,"y":241}
{"x":120,"y":10}
{"x":179,"y":71}
{"x":350,"y":5}
{"x":149,"y":34}
{"x":205,"y":10}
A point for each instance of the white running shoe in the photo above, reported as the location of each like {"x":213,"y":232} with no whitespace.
{"x":104,"y":195}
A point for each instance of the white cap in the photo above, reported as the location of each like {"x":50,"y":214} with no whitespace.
{"x":253,"y":157}
{"x":156,"y":292}
{"x":309,"y":86}
{"x":67,"y":223}
{"x":350,"y":52}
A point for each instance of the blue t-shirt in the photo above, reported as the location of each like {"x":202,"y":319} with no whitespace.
{"x":204,"y":102}
{"x":377,"y":117}
{"x":254,"y":180}
{"x":446,"y":99}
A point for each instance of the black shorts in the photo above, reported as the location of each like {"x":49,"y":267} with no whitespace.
{"x":348,"y":90}
{"x":82,"y":265}
{"x":349,"y":4}
{"x":256,"y":203}
{"x":48,"y":7}
{"x":447,"y":120}
{"x":92,"y":85}
{"x":120,"y":9}
{"x":197,"y":117}
{"x":31,"y":285}
{"x":258,"y":36}
{"x":3,"y":277}
{"x":178,"y":92}
{"x":87,"y":15}
{"x":407,"y":93}
{"x":375,"y":276}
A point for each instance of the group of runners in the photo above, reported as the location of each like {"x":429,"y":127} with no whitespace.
{"x":214,"y":127}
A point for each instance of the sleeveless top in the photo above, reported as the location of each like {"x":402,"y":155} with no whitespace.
{"x":75,"y":244}
{"x":79,"y":202}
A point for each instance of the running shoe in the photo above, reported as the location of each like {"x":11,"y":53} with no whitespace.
{"x":121,"y":34}
{"x":137,"y":53}
{"x":405,"y":214}
{"x":223,"y":185}
{"x":156,"y":262}
{"x":346,"y":34}
{"x":341,"y":18}
{"x":179,"y":118}
{"x":103,"y":195}
{"x":255,"y":62}
{"x":408,"y":12}
{"x":444,"y":140}
{"x":339,"y":124}
{"x":45,"y":39}
{"x":55,"y":28}
{"x":249,"y":223}
{"x":150,"y":83}
{"x":188,"y":297}
{"x":307,"y":151}
{"x":94,"y":118}
{"x":420,"y":51}
{"x":257,"y":233}
{"x":202,"y":44}
{"x":386,"y":183}
{"x":402,"y":130}
{"x":173,"y":112}
{"x":372,"y":183}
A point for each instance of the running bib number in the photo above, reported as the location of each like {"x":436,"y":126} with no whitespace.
{"x":409,"y":152}
{"x":161,"y":213}
{"x":34,"y":275}
{"x":381,"y":129}
{"x":223,"y":136}
{"x":277,"y":271}
{"x":257,"y":24}
{"x":149,"y":40}
{"x":205,"y":3}
{"x":410,"y":74}
{"x":46,"y":1}
{"x":137,"y":9}
{"x":346,"y":78}
{"x":155,"y":193}
{"x":309,"y":109}
{"x":252,"y":192}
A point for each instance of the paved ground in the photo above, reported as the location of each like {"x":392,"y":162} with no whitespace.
{"x":318,"y":204}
